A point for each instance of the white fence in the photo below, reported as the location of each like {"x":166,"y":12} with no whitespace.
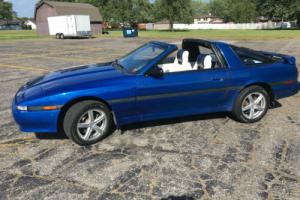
{"x":268,"y":25}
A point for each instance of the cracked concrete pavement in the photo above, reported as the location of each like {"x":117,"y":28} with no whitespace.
{"x":203,"y":157}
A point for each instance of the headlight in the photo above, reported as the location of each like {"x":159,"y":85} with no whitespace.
{"x":22,"y":108}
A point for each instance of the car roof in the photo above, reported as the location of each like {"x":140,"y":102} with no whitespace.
{"x":203,"y":41}
{"x":207,"y":42}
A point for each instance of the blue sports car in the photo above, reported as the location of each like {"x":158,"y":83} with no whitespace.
{"x":155,"y":81}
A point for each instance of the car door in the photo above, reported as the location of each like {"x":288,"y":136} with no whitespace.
{"x":182,"y":93}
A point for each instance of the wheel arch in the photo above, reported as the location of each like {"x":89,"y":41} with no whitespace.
{"x":266,"y":86}
{"x":68,"y":105}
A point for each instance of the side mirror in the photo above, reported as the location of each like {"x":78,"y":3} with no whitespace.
{"x":156,"y":72}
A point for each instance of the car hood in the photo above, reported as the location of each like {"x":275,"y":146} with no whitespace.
{"x":71,"y":79}
{"x":103,"y":70}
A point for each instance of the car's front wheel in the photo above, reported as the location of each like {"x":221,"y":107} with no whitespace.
{"x":88,"y":122}
{"x":251,"y":105}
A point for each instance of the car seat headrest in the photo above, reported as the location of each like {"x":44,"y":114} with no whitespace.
{"x":207,"y":62}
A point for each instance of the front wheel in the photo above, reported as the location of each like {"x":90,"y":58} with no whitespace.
{"x":251,"y":105}
{"x":88,"y":122}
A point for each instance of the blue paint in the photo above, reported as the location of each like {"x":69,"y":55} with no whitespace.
{"x":136,"y":97}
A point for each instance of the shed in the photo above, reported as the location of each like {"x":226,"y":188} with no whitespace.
{"x":45,"y":9}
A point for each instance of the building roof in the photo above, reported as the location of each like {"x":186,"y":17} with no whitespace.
{"x":206,"y":16}
{"x":10,"y":22}
{"x":67,"y":8}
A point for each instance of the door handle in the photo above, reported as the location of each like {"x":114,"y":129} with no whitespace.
{"x":218,"y":79}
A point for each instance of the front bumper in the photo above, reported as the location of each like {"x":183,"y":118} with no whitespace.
{"x":36,"y":121}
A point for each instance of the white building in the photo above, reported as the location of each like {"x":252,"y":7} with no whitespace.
{"x":208,"y":19}
{"x":30,"y":23}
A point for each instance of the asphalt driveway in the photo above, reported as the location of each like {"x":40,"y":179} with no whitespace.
{"x":203,"y":157}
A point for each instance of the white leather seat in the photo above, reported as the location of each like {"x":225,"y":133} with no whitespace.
{"x":207,"y":64}
{"x":181,"y":63}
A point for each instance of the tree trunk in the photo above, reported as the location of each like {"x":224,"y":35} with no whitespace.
{"x":171,"y":25}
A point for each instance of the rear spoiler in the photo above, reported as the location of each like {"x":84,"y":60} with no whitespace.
{"x":285,"y":58}
{"x":290,"y":59}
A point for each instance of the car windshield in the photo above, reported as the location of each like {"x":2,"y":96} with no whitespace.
{"x":139,"y":58}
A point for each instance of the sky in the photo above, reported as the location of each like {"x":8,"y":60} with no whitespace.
{"x":24,"y":8}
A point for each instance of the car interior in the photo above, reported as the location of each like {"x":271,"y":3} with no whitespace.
{"x":192,"y":56}
{"x":252,"y":57}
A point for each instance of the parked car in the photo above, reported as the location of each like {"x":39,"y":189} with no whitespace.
{"x":155,"y":82}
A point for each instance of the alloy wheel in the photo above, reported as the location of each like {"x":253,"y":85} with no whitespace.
{"x":254,"y":105}
{"x":91,"y":125}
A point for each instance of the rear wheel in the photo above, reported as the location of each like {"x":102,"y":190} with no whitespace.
{"x":62,"y":36}
{"x":251,"y":105}
{"x":88,"y":122}
{"x":57,"y":36}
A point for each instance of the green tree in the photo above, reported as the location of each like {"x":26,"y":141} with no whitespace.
{"x":6,"y":11}
{"x":102,"y":5}
{"x":295,"y":11}
{"x":142,"y":11}
{"x":124,"y":11}
{"x":174,"y":11}
{"x":239,"y":11}
{"x":199,"y":8}
{"x":274,"y":9}
{"x":219,"y":8}
{"x":119,"y":11}
{"x":64,"y":0}
{"x":279,"y":9}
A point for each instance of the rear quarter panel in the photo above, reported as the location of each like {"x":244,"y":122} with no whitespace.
{"x":281,"y":77}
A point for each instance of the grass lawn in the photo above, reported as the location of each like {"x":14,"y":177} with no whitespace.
{"x":206,"y":34}
{"x":18,"y":34}
{"x":219,"y":34}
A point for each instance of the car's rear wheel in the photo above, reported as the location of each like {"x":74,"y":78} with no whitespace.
{"x":62,"y":36}
{"x":57,"y":36}
{"x":88,"y":122}
{"x":251,"y":105}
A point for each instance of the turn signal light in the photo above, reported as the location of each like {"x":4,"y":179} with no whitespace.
{"x":50,"y":108}
{"x":288,"y":82}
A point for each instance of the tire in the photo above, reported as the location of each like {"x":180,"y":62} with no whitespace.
{"x":62,"y":36}
{"x":79,"y":115}
{"x":246,"y":112}
{"x":57,"y":36}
